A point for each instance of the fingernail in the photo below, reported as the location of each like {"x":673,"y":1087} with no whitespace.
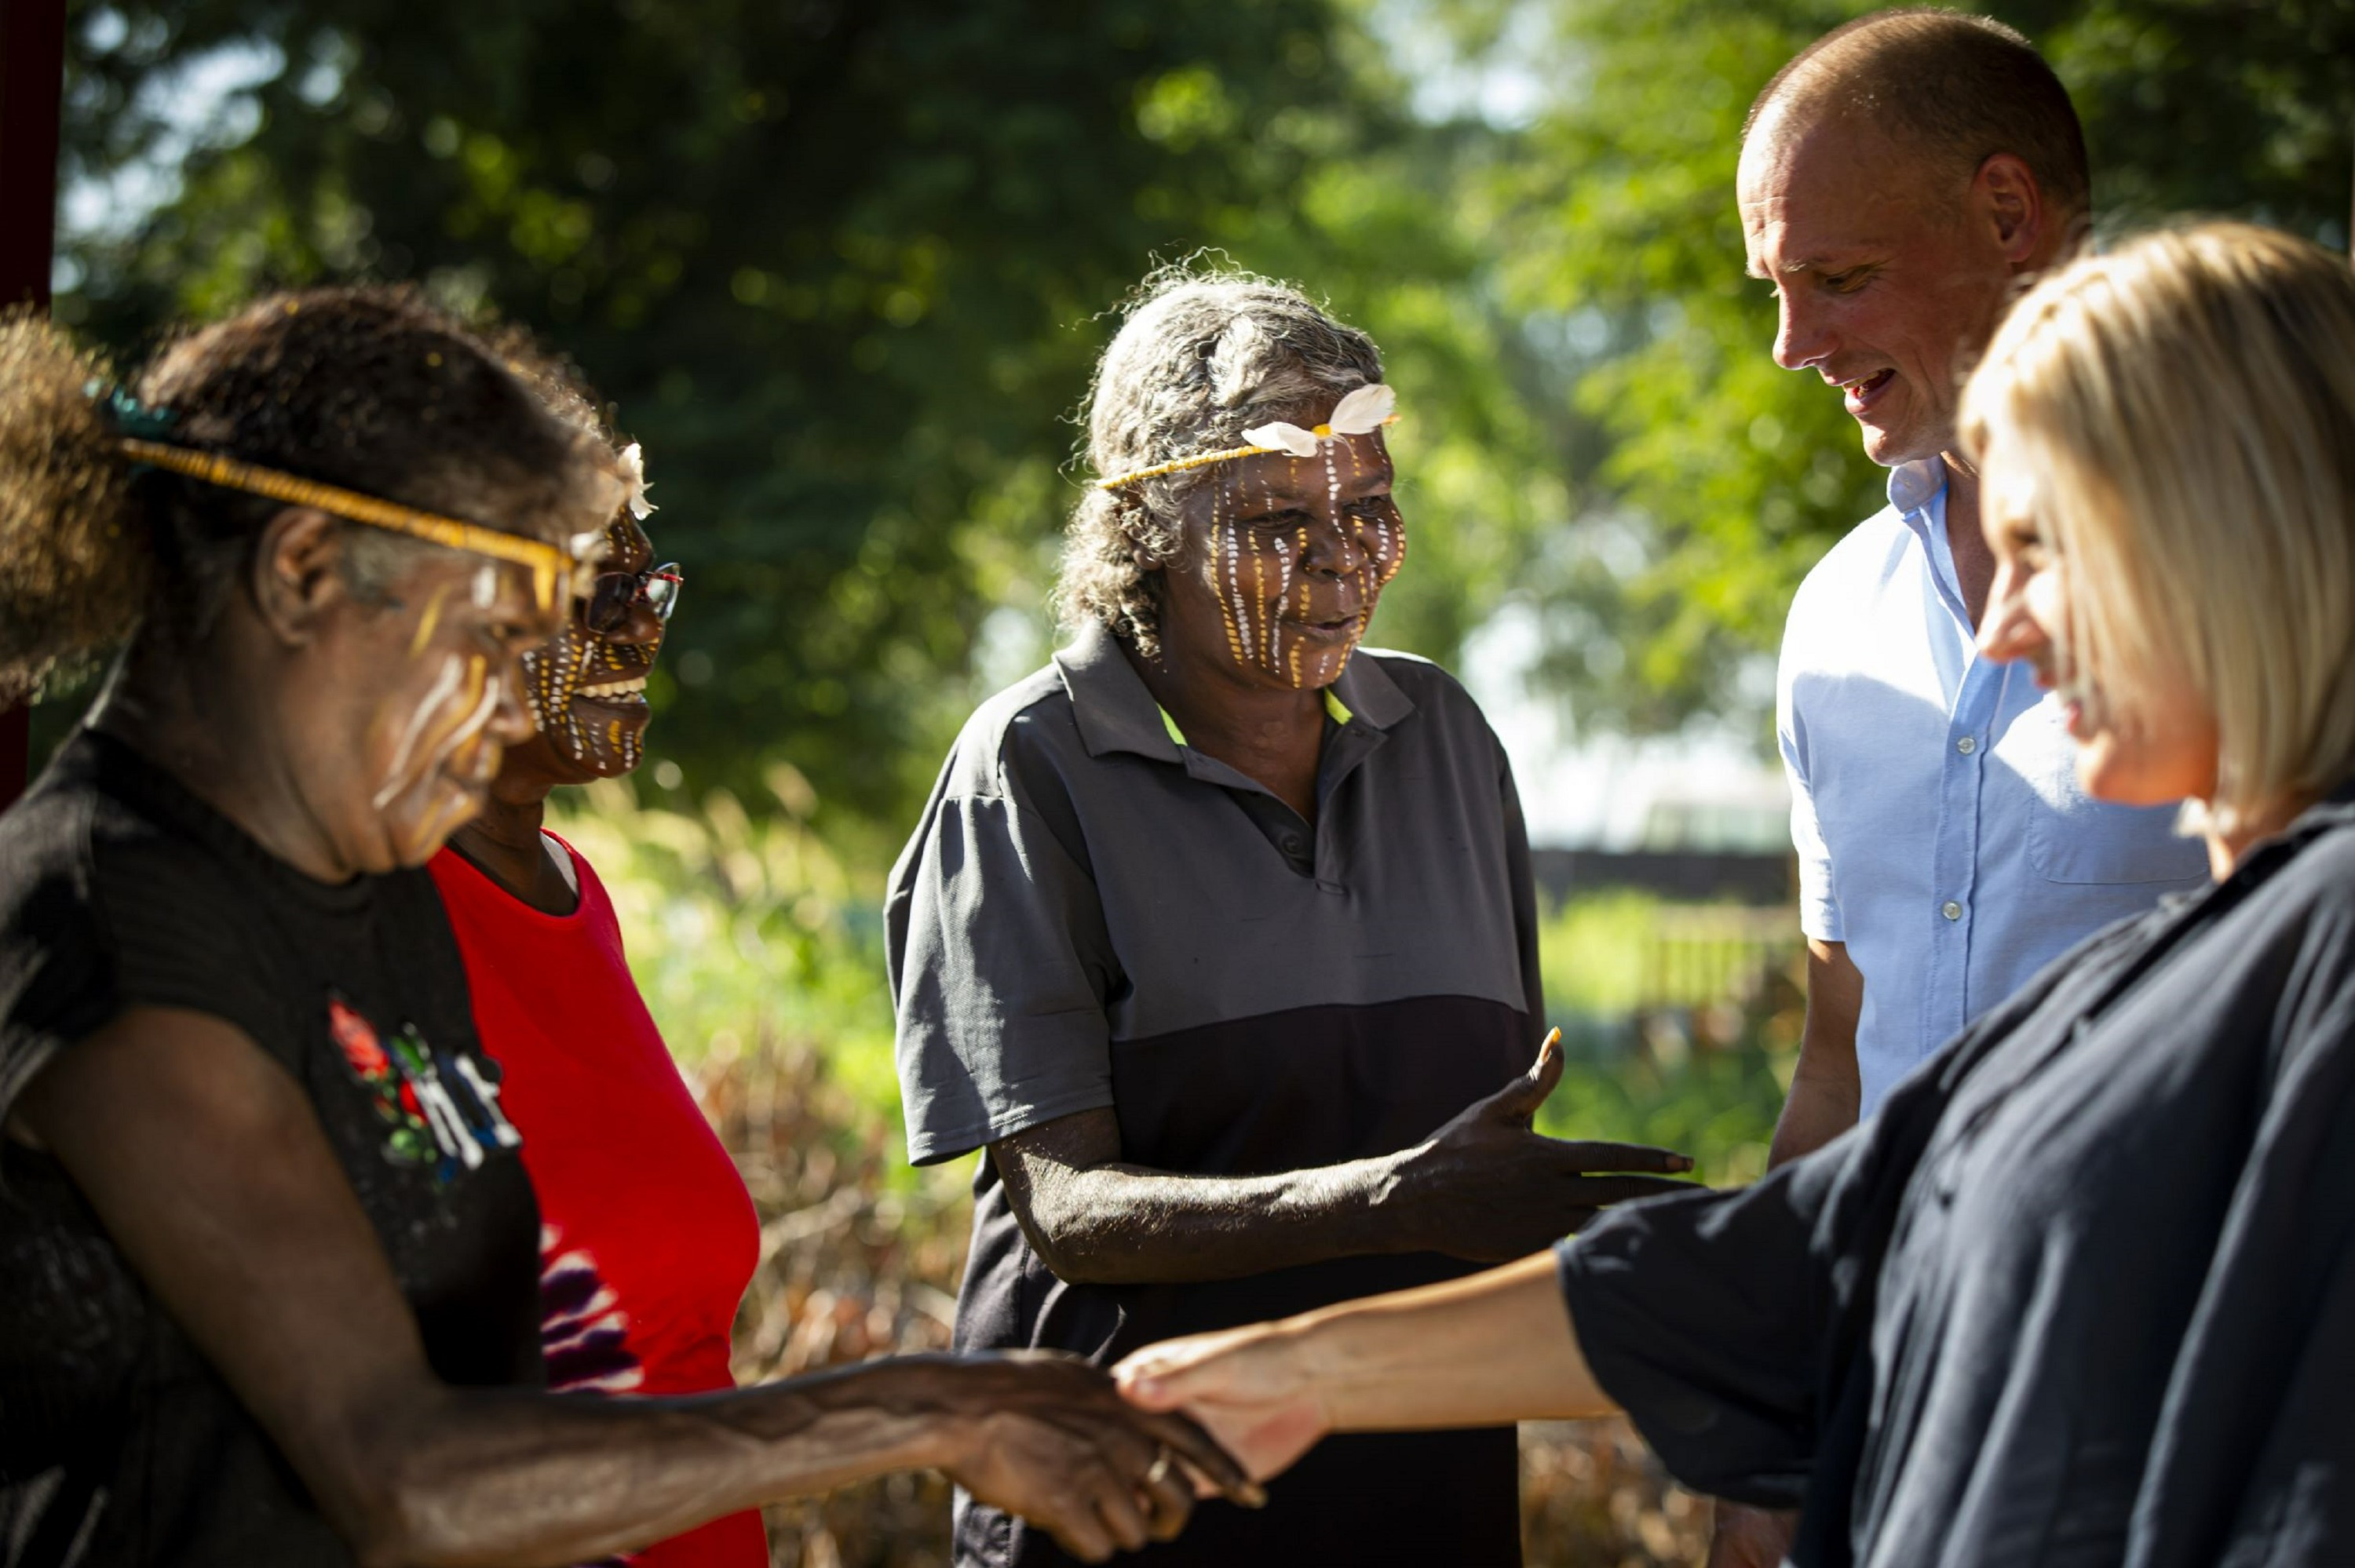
{"x":1682,"y":1162}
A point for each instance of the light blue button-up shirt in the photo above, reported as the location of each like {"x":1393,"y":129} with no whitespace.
{"x":1934,"y":806}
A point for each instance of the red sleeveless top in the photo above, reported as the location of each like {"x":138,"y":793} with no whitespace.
{"x":647,"y":1236}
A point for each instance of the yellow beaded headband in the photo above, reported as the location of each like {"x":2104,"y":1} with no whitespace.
{"x":1366,"y":409}
{"x":551,"y":565}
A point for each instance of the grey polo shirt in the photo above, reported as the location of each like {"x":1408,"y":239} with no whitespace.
{"x":1092,"y":913}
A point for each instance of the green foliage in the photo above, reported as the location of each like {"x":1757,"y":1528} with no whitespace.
{"x":743,"y":928}
{"x":1699,"y":1062}
{"x":844,"y":269}
{"x":837,"y":264}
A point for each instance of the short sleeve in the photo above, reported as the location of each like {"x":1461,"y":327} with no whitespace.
{"x":93,"y":922}
{"x":1819,"y":915}
{"x":55,"y":978}
{"x":1000,"y":968}
{"x":1707,"y":1317}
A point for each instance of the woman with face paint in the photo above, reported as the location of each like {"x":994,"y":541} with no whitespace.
{"x":271,"y":1257}
{"x":2083,"y":1291}
{"x":647,"y":1234}
{"x":1219,"y":934}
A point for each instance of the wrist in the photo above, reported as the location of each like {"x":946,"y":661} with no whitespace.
{"x":1317,"y":1347}
{"x":926,"y":1405}
{"x":1394,"y":1192}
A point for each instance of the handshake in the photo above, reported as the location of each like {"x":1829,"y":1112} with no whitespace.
{"x":1107,"y":1463}
{"x":1104,"y":1461}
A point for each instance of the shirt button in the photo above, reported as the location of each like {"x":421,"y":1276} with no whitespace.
{"x":1951,"y":910}
{"x":1968,"y":744}
{"x":1290,"y":843}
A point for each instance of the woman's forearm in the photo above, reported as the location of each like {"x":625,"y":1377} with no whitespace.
{"x":1489,"y":1350}
{"x":1484,"y":1350}
{"x":1097,"y":1221}
{"x":273,"y":1271}
{"x":506,"y":1477}
{"x":1483,"y":1187}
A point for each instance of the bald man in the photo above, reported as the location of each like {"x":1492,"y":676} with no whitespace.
{"x":1901,"y":181}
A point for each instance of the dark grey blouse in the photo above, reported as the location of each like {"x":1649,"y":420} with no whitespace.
{"x":2082,"y":1293}
{"x":1092,"y":913}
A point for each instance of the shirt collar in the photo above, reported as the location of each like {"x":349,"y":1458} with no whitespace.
{"x":1913,"y":485}
{"x":1918,"y":493}
{"x":1116,"y":713}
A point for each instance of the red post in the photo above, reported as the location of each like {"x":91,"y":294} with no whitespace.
{"x":32,"y":85}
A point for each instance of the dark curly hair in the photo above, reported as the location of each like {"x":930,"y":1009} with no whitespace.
{"x":371,"y":388}
{"x":1202,"y":357}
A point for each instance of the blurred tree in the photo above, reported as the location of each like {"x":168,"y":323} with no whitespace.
{"x":1725,"y":477}
{"x":837,"y":264}
{"x":843,"y":268}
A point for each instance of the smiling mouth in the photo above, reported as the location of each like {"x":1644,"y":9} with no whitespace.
{"x":631,"y":692}
{"x":1860,"y":393}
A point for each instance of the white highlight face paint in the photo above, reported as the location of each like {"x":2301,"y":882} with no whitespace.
{"x":443,"y":761}
{"x":1235,"y":587}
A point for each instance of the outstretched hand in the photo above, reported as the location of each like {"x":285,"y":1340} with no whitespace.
{"x":1049,"y":1437}
{"x":1489,"y":1188}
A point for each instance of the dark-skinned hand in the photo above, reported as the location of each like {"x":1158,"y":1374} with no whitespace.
{"x":1051,"y":1439}
{"x":1489,"y":1188}
{"x":1752,"y":1537}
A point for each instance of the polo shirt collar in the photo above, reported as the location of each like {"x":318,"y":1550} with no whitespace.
{"x":1116,"y":712}
{"x":1109,"y":702}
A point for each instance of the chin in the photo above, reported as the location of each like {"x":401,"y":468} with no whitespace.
{"x":1893,"y":447}
{"x":2126,"y":774}
{"x":609,"y":747}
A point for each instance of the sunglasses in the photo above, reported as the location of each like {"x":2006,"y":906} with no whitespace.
{"x":614,"y":595}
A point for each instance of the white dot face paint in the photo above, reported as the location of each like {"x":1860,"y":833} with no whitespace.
{"x":1297,"y":558}
{"x":587,"y":691}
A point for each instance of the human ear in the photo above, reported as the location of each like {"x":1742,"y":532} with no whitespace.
{"x":297,"y":574}
{"x":2013,"y":206}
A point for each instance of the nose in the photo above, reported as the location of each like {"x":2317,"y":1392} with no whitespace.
{"x":641,"y":628}
{"x":1799,"y":336}
{"x":2006,"y":631}
{"x":1333,"y":548}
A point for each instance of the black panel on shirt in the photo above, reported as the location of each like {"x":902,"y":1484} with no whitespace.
{"x":118,"y":889}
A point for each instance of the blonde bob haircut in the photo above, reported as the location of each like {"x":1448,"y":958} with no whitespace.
{"x":2177,"y":420}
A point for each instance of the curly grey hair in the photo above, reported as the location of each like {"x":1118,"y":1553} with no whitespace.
{"x":1201,"y":358}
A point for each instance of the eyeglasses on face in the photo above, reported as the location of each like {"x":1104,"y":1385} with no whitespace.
{"x":614,"y":595}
